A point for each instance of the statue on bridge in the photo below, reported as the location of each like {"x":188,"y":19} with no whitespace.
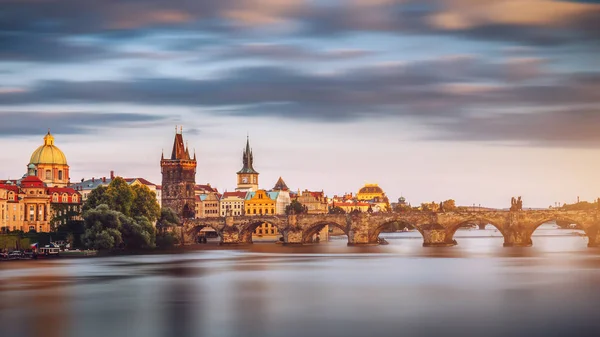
{"x":441,"y":209}
{"x":516,"y":204}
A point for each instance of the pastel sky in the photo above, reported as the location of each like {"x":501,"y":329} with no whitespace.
{"x":473,"y":100}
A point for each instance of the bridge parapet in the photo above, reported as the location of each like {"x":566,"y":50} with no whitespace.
{"x":438,"y":229}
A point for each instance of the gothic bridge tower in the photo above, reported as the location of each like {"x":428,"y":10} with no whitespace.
{"x":179,"y":179}
{"x":247,"y":179}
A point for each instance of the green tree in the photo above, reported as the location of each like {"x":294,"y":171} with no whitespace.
{"x":138,"y":232}
{"x":449,"y":205}
{"x":103,"y":227}
{"x":168,"y":220}
{"x":96,"y":198}
{"x":144,"y":203}
{"x":296,"y":208}
{"x":120,"y":196}
{"x":402,"y":208}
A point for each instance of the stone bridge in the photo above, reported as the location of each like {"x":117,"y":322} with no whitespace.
{"x":437,"y":229}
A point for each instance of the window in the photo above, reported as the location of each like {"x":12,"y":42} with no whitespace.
{"x":65,"y":197}
{"x":55,"y":197}
{"x":60,"y":175}
{"x":48,"y":175}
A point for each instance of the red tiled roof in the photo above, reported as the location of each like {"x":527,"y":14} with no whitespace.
{"x":32,"y":181}
{"x":206,"y":188}
{"x":61,"y":190}
{"x":234,"y":194}
{"x":13,"y":188}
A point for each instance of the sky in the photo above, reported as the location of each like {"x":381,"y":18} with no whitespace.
{"x":471,"y":100}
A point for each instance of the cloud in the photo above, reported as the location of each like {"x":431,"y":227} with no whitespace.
{"x":357,"y":88}
{"x":452,"y":96}
{"x":560,"y":128}
{"x":272,"y":51}
{"x":35,"y":123}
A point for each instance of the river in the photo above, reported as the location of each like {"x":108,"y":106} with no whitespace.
{"x":477,"y":288}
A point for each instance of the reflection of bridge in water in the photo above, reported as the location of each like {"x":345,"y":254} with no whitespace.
{"x":437,"y":229}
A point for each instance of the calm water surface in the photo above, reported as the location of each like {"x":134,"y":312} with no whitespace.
{"x":477,"y":288}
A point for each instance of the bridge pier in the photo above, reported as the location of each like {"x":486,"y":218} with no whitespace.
{"x":517,"y":238}
{"x":593,"y":234}
{"x":361,"y":237}
{"x":481,"y":225}
{"x":437,"y":238}
{"x":293,"y":237}
{"x":230,"y":236}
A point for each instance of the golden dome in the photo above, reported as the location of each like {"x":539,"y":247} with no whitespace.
{"x":371,"y":188}
{"x":48,"y":153}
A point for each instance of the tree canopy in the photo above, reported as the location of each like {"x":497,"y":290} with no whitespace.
{"x":121,"y":216}
{"x":296,"y":208}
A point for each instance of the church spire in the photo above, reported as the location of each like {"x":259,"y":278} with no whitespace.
{"x":179,"y":151}
{"x":247,"y":159}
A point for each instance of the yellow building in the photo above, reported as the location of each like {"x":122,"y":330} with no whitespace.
{"x":49,"y":164}
{"x":11,"y":211}
{"x":374,"y":195}
{"x":353,"y":206}
{"x":262,"y":202}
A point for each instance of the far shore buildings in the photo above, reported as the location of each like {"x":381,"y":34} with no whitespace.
{"x":85,"y":187}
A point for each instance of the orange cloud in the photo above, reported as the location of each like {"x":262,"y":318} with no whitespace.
{"x":262,"y":12}
{"x":146,"y":18}
{"x":463,"y":14}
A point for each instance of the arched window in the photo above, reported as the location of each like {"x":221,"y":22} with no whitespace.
{"x":60,"y":175}
{"x":55,"y":197}
{"x":65,"y":197}
{"x":74,"y":197}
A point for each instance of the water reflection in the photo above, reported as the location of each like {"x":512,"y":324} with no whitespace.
{"x":476,"y":288}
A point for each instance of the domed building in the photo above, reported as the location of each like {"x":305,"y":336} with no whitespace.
{"x":370,"y":192}
{"x":374,"y":195}
{"x":49,"y":164}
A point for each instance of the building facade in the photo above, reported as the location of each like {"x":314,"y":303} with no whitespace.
{"x":232,"y":204}
{"x":49,"y":164}
{"x":31,"y":206}
{"x":283,"y":196}
{"x":315,"y":202}
{"x":207,"y":205}
{"x":262,"y":202}
{"x":247,"y":177}
{"x":85,"y":187}
{"x":179,"y":180}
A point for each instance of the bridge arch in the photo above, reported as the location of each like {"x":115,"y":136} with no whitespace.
{"x":316,"y":227}
{"x":590,"y":229}
{"x":194,"y":231}
{"x":451,"y":230}
{"x":374,"y":236}
{"x":246,"y":230}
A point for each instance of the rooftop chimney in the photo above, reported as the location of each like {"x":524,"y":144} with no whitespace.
{"x":103,"y":179}
{"x":93,"y":179}
{"x":112,"y":175}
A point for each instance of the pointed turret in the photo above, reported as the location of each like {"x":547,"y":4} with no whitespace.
{"x":179,"y":151}
{"x":280,"y":185}
{"x":247,"y":159}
